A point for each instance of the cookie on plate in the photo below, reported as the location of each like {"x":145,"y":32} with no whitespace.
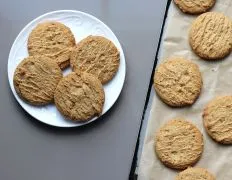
{"x":80,"y":96}
{"x":195,"y":174}
{"x":179,"y":144}
{"x":217,"y":118}
{"x":194,"y":6}
{"x":211,"y":36}
{"x":178,"y":82}
{"x":52,"y":39}
{"x":35,"y":79}
{"x":96,"y":55}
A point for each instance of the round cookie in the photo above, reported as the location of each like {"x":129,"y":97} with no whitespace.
{"x":79,"y":96}
{"x":211,"y":36}
{"x":179,"y":144}
{"x":178,"y":82}
{"x":35,"y":79}
{"x":217,"y":118}
{"x":96,"y":55}
{"x":195,"y":174}
{"x":53,"y":39}
{"x":194,"y":6}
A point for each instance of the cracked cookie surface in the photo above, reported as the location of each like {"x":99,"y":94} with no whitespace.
{"x":211,"y":36}
{"x":178,"y":82}
{"x":194,"y":6}
{"x":36,"y":78}
{"x":179,"y":144}
{"x":96,"y":55}
{"x":195,"y":173}
{"x":53,"y":39}
{"x":80,"y":96}
{"x":217,"y":118}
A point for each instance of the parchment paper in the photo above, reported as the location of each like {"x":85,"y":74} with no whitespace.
{"x":217,"y":78}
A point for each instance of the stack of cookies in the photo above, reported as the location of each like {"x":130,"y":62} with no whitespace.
{"x":178,"y":83}
{"x":79,"y":96}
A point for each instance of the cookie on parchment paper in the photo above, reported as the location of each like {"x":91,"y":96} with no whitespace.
{"x":217,"y":118}
{"x":194,"y":6}
{"x":80,"y":96}
{"x":195,"y":174}
{"x":96,"y":55}
{"x":179,"y":144}
{"x":210,"y":36}
{"x":178,"y":82}
{"x":35,"y":79}
{"x":52,"y":39}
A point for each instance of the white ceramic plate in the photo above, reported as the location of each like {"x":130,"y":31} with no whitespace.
{"x":82,"y":25}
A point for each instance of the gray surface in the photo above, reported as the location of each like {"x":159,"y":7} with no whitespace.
{"x":102,"y":150}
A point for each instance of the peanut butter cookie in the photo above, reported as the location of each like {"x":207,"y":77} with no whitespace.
{"x":194,"y":6}
{"x":217,"y":118}
{"x":36,"y":78}
{"x":80,"y":96}
{"x":53,"y":39}
{"x":179,"y":144}
{"x":195,"y":174}
{"x":96,"y":55}
{"x":178,"y":82}
{"x":211,"y":36}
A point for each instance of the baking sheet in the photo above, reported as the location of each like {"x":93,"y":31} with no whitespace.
{"x":216,"y":81}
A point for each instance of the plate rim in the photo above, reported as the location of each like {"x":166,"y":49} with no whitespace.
{"x":37,"y":19}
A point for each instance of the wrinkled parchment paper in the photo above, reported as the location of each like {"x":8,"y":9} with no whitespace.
{"x":217,"y":80}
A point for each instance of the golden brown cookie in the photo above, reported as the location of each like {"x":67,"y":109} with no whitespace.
{"x":179,"y":144}
{"x":80,"y":96}
{"x":96,"y":55}
{"x":36,"y":78}
{"x":211,"y":36}
{"x":52,"y":39}
{"x":178,"y":82}
{"x":195,"y":174}
{"x":217,"y":118}
{"x":194,"y":6}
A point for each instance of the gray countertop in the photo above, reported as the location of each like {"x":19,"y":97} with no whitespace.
{"x":104,"y":149}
